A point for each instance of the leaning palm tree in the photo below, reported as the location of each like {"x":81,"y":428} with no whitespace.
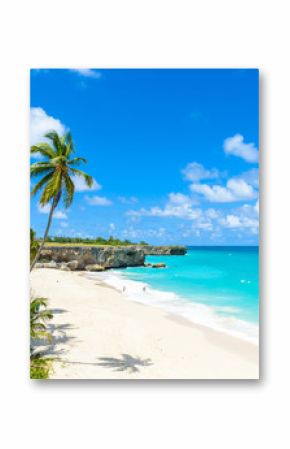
{"x":55,"y":170}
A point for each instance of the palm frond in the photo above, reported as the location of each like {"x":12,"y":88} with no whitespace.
{"x":39,"y":315}
{"x":43,"y":148}
{"x":56,"y":140}
{"x":77,"y":161}
{"x":52,"y":187}
{"x":68,"y":191}
{"x":43,"y":169}
{"x":69,"y":144}
{"x":41,"y":183}
{"x":88,"y":179}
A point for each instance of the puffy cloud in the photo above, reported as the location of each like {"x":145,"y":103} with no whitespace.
{"x":40,"y":124}
{"x":217,"y":194}
{"x":212,"y":213}
{"x":98,"y":201}
{"x":140,"y":234}
{"x":250,"y":176}
{"x":46,"y":209}
{"x":245,"y":218}
{"x":128,"y":200}
{"x":235,"y":145}
{"x":236,"y":221}
{"x":235,"y":190}
{"x":178,"y":205}
{"x":81,"y":186}
{"x":180,"y":198}
{"x":196,"y":172}
{"x":88,"y":73}
{"x":240,"y":189}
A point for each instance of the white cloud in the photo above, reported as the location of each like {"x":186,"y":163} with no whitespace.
{"x":140,"y":234}
{"x":257,"y":207}
{"x":98,"y":200}
{"x":249,"y":210}
{"x":235,"y":221}
{"x":180,"y":198}
{"x":244,"y":218}
{"x":64,"y":224}
{"x":250,"y":176}
{"x":81,"y":186}
{"x":212,"y":213}
{"x":128,"y":200}
{"x":88,"y":73}
{"x":196,"y":172}
{"x":178,"y":205}
{"x":46,"y":209}
{"x":240,"y":189}
{"x":235,"y":190}
{"x":112,"y":227}
{"x":216,"y":194}
{"x":235,"y":145}
{"x":40,"y":124}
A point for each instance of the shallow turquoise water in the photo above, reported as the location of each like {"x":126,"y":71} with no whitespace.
{"x":225,"y":278}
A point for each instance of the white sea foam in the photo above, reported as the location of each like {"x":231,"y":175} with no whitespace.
{"x":169,"y":301}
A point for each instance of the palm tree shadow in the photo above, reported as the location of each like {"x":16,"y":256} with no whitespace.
{"x":53,"y":347}
{"x":125,"y":363}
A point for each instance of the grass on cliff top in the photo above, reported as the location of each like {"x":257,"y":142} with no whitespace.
{"x":98,"y":241}
{"x":85,"y":244}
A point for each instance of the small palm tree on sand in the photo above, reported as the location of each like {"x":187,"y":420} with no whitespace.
{"x":39,"y":315}
{"x":56,"y":169}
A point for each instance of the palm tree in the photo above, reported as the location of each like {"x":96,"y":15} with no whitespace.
{"x":56,"y":169}
{"x":39,"y":315}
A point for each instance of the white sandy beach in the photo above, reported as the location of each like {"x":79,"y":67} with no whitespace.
{"x":101,"y":334}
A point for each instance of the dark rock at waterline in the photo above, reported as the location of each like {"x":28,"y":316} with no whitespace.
{"x":94,"y":267}
{"x":158,"y":265}
{"x":172,"y":250}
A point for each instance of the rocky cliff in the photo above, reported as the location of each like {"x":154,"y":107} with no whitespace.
{"x":97,"y":258}
{"x":105,"y":256}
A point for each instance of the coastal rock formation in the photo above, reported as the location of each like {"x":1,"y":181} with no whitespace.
{"x":98,"y":258}
{"x":151,"y":250}
{"x":80,"y":257}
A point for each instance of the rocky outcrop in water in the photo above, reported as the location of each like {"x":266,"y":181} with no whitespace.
{"x":177,"y":250}
{"x":98,"y":258}
{"x":158,"y":265}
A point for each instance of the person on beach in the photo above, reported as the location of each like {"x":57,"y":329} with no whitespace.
{"x":144,"y":288}
{"x":124,"y":289}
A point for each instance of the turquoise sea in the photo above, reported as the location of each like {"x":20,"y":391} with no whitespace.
{"x":214,"y":286}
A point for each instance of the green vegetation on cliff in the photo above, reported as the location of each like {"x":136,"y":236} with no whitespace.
{"x":111,"y":241}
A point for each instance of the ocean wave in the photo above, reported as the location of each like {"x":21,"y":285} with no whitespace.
{"x":193,"y":311}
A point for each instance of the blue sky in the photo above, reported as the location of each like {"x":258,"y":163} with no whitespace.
{"x":174,"y":153}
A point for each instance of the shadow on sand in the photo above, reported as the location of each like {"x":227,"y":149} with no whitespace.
{"x":59,"y":336}
{"x":125,"y":363}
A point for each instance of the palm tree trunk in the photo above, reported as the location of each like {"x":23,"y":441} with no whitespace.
{"x":53,"y":205}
